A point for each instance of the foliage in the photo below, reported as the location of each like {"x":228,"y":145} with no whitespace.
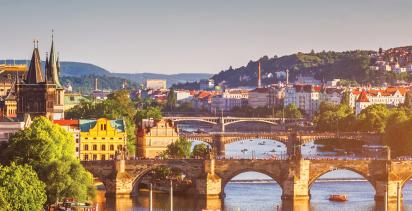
{"x":200,"y":151}
{"x":171,"y":100}
{"x":334,"y":117}
{"x":373,"y":118}
{"x":292,"y":111}
{"x":50,"y":150}
{"x":151,"y":112}
{"x":20,"y":188}
{"x":178,"y":149}
{"x":117,"y":106}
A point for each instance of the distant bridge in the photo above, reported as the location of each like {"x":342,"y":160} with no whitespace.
{"x":225,"y":121}
{"x":292,"y":140}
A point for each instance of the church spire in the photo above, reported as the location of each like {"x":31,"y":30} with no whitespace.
{"x":53,"y":67}
{"x":34,"y":74}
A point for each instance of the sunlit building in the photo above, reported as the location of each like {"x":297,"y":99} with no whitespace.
{"x":100,"y":139}
{"x":154,"y":136}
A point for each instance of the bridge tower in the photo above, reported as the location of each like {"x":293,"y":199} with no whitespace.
{"x":119,"y":182}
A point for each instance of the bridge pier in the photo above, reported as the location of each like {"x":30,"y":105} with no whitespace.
{"x":219,"y":144}
{"x":209,"y":185}
{"x":296,"y":185}
{"x":120,"y":182}
{"x":387,"y":186}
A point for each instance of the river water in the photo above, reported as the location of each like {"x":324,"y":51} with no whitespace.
{"x":255,"y":191}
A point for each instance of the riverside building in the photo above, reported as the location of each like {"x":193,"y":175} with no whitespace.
{"x":101,"y":139}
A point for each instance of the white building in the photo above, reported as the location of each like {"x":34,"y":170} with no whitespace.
{"x":183,"y":96}
{"x":391,"y":96}
{"x":259,"y":97}
{"x":228,"y":100}
{"x":155,"y":84}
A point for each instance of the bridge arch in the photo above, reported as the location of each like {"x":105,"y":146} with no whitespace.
{"x":315,"y":177}
{"x":227,"y":178}
{"x":195,"y":120}
{"x":137,"y":179}
{"x":251,"y":120}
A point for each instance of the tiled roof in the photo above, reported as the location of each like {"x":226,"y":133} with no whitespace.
{"x":67,"y":122}
{"x":363,"y":97}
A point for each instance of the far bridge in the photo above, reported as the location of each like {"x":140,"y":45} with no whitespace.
{"x":222,"y":122}
{"x":292,"y":140}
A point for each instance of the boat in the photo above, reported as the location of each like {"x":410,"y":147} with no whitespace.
{"x":262,"y":143}
{"x":251,"y":140}
{"x":338,"y":197}
{"x":279,"y":145}
{"x":244,"y":150}
{"x":273,"y":150}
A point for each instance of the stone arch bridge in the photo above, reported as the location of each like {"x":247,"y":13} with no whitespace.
{"x":294,"y":176}
{"x":222,"y":122}
{"x":292,"y":140}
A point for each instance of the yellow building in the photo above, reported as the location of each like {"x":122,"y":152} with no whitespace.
{"x":101,"y":138}
{"x":154,"y":136}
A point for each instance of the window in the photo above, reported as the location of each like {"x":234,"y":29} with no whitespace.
{"x":111,"y":157}
{"x":111,"y":147}
{"x":94,"y":157}
{"x":86,"y":157}
{"x":77,"y":149}
{"x":86,"y":147}
{"x":94,"y":147}
{"x":119,"y":147}
{"x":71,"y":98}
{"x":103,"y":147}
{"x":103,"y":157}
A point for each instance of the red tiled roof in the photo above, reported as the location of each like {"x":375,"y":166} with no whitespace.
{"x":67,"y":122}
{"x":363,"y":97}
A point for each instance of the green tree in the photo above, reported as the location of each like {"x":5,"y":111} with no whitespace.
{"x":345,"y":98}
{"x":50,"y":150}
{"x":334,"y":117}
{"x":200,"y":150}
{"x":20,"y":188}
{"x":171,"y":99}
{"x":374,"y":118}
{"x":178,"y":149}
{"x":292,"y":111}
{"x":151,"y":112}
{"x":408,"y":99}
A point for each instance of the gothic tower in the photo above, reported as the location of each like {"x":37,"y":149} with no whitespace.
{"x":41,"y":96}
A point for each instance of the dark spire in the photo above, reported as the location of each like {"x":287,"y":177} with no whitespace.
{"x":35,"y":73}
{"x":53,"y":67}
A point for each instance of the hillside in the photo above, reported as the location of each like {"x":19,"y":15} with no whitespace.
{"x":82,"y":73}
{"x":352,"y":66}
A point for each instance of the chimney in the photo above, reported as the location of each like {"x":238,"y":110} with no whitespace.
{"x":96,"y":84}
{"x":259,"y":83}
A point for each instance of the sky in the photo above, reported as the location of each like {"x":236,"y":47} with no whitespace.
{"x":197,"y":36}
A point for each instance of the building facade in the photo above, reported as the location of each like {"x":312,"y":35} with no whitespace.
{"x":73,"y":127}
{"x":37,"y":95}
{"x":101,"y":139}
{"x":155,"y":84}
{"x":154,"y":136}
{"x":391,"y":96}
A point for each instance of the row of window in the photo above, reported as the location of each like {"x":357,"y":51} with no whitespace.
{"x":103,"y":138}
{"x":96,"y":157}
{"x":102,"y":147}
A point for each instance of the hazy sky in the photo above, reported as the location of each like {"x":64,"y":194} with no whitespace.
{"x":174,"y":36}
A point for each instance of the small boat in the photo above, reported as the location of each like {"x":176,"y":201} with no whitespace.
{"x":313,"y":147}
{"x":262,"y":143}
{"x":273,"y":150}
{"x":338,"y":197}
{"x":251,"y":140}
{"x":279,"y":146}
{"x":244,"y":150}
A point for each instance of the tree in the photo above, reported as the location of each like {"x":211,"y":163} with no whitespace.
{"x":20,"y":188}
{"x":200,"y":150}
{"x":345,"y":98}
{"x":292,"y":111}
{"x":171,"y":99}
{"x":178,"y":149}
{"x":151,"y":112}
{"x":408,"y":99}
{"x":50,"y":150}
{"x":334,"y":117}
{"x":374,"y":118}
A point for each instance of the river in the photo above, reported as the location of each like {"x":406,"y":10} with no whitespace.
{"x":255,"y":191}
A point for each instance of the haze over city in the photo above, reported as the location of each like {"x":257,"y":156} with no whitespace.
{"x":198,"y":36}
